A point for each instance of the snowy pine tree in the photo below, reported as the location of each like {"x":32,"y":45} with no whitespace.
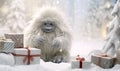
{"x":98,"y":16}
{"x":16,"y":17}
{"x":113,"y":37}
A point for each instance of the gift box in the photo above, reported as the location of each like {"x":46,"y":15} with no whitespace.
{"x":80,"y":63}
{"x":103,"y":61}
{"x":26,"y":56}
{"x":17,"y":38}
{"x":6,"y":45}
{"x":118,"y":56}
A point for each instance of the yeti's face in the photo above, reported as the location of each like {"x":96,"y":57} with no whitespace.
{"x":48,"y":26}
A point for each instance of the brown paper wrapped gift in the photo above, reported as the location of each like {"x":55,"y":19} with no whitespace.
{"x":103,"y":61}
{"x":17,"y":38}
{"x":118,"y":56}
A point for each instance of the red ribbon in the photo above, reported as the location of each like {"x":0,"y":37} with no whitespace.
{"x":28,"y":57}
{"x":99,"y":61}
{"x":80,"y":60}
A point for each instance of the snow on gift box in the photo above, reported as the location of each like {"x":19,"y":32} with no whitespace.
{"x":80,"y":63}
{"x":104,"y":61}
{"x":6,"y":45}
{"x":26,"y":56}
{"x":17,"y":38}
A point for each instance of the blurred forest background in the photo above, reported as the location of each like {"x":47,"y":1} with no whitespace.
{"x":88,"y":18}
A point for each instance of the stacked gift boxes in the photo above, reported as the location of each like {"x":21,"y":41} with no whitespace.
{"x":80,"y":62}
{"x":22,"y":56}
{"x":104,"y":61}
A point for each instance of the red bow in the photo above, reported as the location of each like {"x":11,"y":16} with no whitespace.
{"x":80,"y":60}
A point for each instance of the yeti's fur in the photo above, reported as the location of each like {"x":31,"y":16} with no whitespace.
{"x":62,"y":34}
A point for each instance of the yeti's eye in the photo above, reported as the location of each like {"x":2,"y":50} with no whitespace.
{"x":45,"y":23}
{"x":51,"y":24}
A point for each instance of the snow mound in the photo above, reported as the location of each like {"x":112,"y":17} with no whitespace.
{"x":6,"y":59}
{"x":49,"y":66}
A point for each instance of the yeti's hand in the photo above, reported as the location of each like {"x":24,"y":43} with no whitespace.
{"x":57,"y":59}
{"x":56,"y":43}
{"x":39,"y":39}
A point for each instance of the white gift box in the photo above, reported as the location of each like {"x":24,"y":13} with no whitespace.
{"x":80,"y":64}
{"x":26,"y":56}
{"x":6,"y":45}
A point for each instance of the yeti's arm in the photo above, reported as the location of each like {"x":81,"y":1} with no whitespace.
{"x":32,"y":38}
{"x":63,"y":41}
{"x":63,"y":44}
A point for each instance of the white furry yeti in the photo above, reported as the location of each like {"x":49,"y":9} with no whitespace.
{"x":50,"y":32}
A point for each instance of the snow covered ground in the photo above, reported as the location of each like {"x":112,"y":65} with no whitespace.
{"x":82,"y":47}
{"x":48,"y":66}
